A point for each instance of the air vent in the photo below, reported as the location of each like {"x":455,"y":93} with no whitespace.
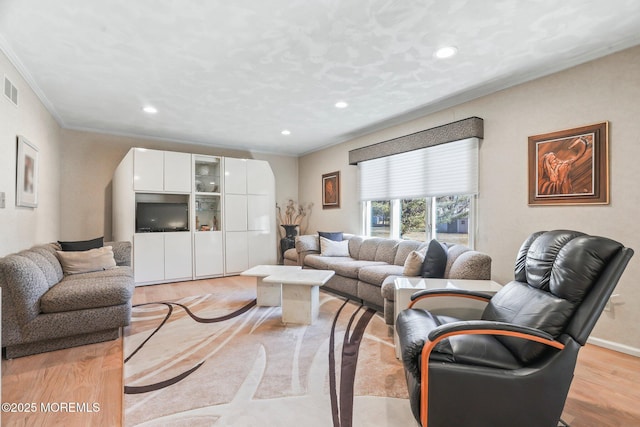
{"x":10,"y":91}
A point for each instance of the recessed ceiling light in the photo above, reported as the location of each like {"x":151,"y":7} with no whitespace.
{"x":286,"y":132}
{"x":341,"y":104}
{"x":446,"y":52}
{"x":149,"y":109}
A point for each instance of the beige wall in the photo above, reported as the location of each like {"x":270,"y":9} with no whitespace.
{"x":22,"y":227}
{"x":76,"y":169}
{"x":603,"y":90}
{"x":89,"y":159}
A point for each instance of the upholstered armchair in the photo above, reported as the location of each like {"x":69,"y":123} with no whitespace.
{"x":514,"y":366}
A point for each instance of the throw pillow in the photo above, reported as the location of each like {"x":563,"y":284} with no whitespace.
{"x":82,"y":245}
{"x":435,"y":260}
{"x":333,"y":248}
{"x":75,"y":262}
{"x":413,"y":263}
{"x":332,"y":235}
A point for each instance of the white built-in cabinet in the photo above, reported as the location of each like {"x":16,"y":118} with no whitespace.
{"x":164,"y":171}
{"x":162,"y":257}
{"x":208,"y":245}
{"x":232,"y":224}
{"x":249,"y":206}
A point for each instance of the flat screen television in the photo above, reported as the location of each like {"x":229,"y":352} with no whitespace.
{"x":155,"y":217}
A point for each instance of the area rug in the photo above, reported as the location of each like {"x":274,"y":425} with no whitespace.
{"x":220,"y":360}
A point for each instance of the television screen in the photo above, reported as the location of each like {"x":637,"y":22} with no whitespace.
{"x":153,"y":217}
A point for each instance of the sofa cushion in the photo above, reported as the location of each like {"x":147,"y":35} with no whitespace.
{"x":405,"y":247}
{"x":413,"y":264}
{"x":45,"y":265}
{"x":334,"y":248}
{"x":82,"y":245}
{"x":336,"y":236}
{"x":75,"y":262}
{"x":453,"y":253}
{"x":320,"y":262}
{"x":377,"y":273}
{"x":386,"y":251}
{"x":355,"y":243}
{"x":123,"y":271}
{"x":87,"y":292}
{"x":351,"y":268}
{"x":368,"y":248}
{"x":435,"y":260}
{"x":49,"y":252}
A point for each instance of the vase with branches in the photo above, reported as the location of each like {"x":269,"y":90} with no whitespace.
{"x":292,"y":216}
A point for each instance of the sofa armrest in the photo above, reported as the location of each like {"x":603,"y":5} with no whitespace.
{"x":471,"y":265}
{"x":307,"y":242}
{"x":121,"y":252}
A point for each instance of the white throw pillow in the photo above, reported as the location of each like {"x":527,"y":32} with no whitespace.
{"x":333,"y":248}
{"x":75,"y":262}
{"x":413,"y":263}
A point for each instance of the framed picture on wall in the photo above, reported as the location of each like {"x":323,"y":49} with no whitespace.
{"x":26,"y":174}
{"x":331,"y":190}
{"x":570,"y":167}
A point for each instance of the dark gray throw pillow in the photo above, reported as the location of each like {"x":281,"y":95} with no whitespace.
{"x":82,"y":245}
{"x":435,"y":260}
{"x":336,"y":236}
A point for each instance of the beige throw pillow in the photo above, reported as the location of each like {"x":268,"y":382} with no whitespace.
{"x":413,"y":263}
{"x":333,"y":248}
{"x":75,"y":262}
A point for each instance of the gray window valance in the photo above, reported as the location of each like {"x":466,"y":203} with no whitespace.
{"x":472,"y":127}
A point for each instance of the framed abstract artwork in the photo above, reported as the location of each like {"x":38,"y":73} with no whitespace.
{"x":331,"y":190}
{"x":26,"y":174}
{"x":570,"y":166}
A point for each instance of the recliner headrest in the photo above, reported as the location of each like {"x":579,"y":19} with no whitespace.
{"x":563,"y":262}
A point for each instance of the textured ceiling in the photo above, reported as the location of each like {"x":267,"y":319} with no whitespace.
{"x":236,"y":73}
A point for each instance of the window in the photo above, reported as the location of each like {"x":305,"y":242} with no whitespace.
{"x":449,"y":219}
{"x":380,"y":218}
{"x":413,"y":219}
{"x":423,"y":194}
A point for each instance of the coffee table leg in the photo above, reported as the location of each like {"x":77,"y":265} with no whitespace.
{"x":300,"y":304}
{"x":268,"y":294}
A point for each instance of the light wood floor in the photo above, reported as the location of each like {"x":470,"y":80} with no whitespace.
{"x":605,"y":390}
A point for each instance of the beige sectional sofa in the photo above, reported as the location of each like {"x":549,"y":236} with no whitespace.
{"x":44,"y":309}
{"x":367,"y":274}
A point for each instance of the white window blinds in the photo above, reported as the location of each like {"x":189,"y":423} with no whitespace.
{"x":443,"y":170}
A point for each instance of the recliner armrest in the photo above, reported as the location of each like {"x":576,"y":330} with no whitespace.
{"x":487,"y":327}
{"x":463,"y":293}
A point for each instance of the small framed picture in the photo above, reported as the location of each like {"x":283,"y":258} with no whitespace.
{"x":26,"y":174}
{"x":570,"y":167}
{"x":331,"y":190}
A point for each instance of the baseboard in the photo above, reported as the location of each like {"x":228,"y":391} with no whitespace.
{"x":633,"y":351}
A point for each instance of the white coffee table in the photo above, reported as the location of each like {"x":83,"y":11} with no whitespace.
{"x":300,"y":293}
{"x":268,"y":294}
{"x":462,"y":308}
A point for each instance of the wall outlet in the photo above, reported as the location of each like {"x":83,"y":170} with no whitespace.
{"x":2,"y":200}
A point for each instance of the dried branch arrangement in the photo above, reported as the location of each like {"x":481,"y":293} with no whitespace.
{"x":293,"y":214}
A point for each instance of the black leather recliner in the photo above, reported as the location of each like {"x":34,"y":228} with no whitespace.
{"x":514,"y":366}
